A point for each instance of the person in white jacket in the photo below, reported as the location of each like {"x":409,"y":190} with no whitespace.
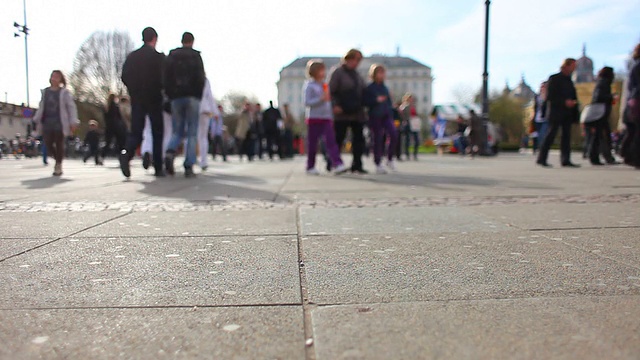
{"x":57,"y":117}
{"x":208,"y":110}
{"x":146,"y":148}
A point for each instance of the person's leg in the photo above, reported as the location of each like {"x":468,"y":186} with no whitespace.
{"x":377,"y":136}
{"x":147,"y":138}
{"x":178,"y":114}
{"x":96,"y":155}
{"x":167,"y":119}
{"x":270,"y":144}
{"x":594,"y":143}
{"x":358,"y":143}
{"x":58,"y":143}
{"x":565,"y":143}
{"x":192,"y":119}
{"x":203,"y":139}
{"x":138,"y":115}
{"x":416,"y":143}
{"x":157,"y":132}
{"x":327,"y":133}
{"x":108,"y":138}
{"x":45,"y":155}
{"x":240,"y":147}
{"x":390,"y":130}
{"x":313,"y":135}
{"x":605,"y":142}
{"x":547,"y":142}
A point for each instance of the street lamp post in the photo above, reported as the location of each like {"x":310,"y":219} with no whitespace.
{"x":25,"y":31}
{"x":485,"y":77}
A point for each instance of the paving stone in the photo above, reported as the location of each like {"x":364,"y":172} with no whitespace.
{"x":10,"y":247}
{"x":214,"y":333}
{"x":366,"y":220}
{"x":97,"y":272}
{"x":449,"y":266}
{"x":546,"y":328}
{"x":249,"y":222}
{"x":50,"y":224}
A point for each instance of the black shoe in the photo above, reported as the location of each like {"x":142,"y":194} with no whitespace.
{"x":160,"y":173}
{"x":188,"y":173}
{"x":544,"y":164}
{"x":570,"y":165}
{"x":124,"y":163}
{"x":597,"y":163}
{"x":168,"y":163}
{"x":146,"y":160}
{"x":360,"y":171}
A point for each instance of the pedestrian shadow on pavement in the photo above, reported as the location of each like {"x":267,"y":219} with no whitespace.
{"x":44,"y":183}
{"x":211,"y":188}
{"x":445,"y":182}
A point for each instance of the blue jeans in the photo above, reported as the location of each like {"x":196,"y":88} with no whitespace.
{"x":541,"y":128}
{"x":186,"y":115}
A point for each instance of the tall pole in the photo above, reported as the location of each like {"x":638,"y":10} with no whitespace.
{"x":485,"y":79}
{"x":26,"y":48}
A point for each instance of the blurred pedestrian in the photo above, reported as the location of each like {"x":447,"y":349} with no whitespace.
{"x":599,"y":130}
{"x":630,"y":148}
{"x":208,"y":113}
{"x":245,"y":134}
{"x":413,"y":125}
{"x":115,"y":128}
{"x":378,"y":100}
{"x":92,"y":143}
{"x":540,"y":122}
{"x":57,"y":117}
{"x":273,"y":129}
{"x":142,"y":74}
{"x":217,"y":135}
{"x":289,"y":124}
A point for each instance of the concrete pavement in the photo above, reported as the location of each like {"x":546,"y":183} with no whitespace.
{"x":449,"y":258}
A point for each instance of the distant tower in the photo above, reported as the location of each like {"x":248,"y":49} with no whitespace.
{"x":584,"y":68}
{"x":398,"y":50}
{"x":523,"y":91}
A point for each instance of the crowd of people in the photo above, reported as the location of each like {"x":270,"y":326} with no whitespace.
{"x":172,"y":108}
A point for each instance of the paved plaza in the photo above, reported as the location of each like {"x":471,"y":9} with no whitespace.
{"x":449,"y":258}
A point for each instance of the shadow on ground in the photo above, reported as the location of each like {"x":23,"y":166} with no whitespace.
{"x":211,"y":188}
{"x":44,"y":183}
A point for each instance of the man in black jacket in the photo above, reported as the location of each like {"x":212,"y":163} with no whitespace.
{"x":184,"y":84}
{"x":271,"y":119}
{"x":561,"y":112}
{"x":142,"y":74}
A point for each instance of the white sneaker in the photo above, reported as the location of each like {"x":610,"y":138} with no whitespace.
{"x":341,"y":169}
{"x":380,"y":170}
{"x":313,"y":171}
{"x":392,"y":165}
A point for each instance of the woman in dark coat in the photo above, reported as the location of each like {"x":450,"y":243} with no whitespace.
{"x":630,"y":148}
{"x":601,"y":128}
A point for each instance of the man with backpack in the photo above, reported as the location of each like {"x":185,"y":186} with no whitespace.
{"x":184,"y":84}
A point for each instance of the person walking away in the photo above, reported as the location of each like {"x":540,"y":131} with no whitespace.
{"x":630,"y":148}
{"x":244,"y":134}
{"x":115,"y":128}
{"x":378,"y":100}
{"x":258,"y":128}
{"x":57,"y":117}
{"x":477,"y":135}
{"x":413,"y":125}
{"x":184,"y":84}
{"x":142,"y":74}
{"x":287,"y":141}
{"x":319,"y":114}
{"x":208,"y":113}
{"x":217,"y":132}
{"x":272,"y":132}
{"x":540,"y":123}
{"x":562,"y":114}
{"x":461,"y":140}
{"x":601,"y":95}
{"x":347,"y":89}
{"x":397,"y":121}
{"x":92,"y":143}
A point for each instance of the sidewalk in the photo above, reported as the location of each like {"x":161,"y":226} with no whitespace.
{"x":449,"y":258}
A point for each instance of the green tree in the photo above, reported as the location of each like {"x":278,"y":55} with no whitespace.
{"x":508,"y":112}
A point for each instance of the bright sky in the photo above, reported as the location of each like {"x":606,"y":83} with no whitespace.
{"x":245,"y":43}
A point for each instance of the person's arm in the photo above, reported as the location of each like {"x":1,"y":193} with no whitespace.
{"x":72,"y":110}
{"x":200,"y":68}
{"x":334,"y":90}
{"x":602,"y":94}
{"x":167,"y":72}
{"x":126,"y":72}
{"x":553,"y":91}
{"x":370,"y":98}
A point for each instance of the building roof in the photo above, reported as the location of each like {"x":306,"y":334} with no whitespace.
{"x":388,"y":61}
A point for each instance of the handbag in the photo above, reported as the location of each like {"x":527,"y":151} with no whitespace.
{"x":592,"y":113}
{"x":415,"y":124}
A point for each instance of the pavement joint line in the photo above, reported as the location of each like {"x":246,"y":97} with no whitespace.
{"x":310,"y":353}
{"x":460,"y":300}
{"x":585,"y":228}
{"x":176,"y":236}
{"x":63,"y":237}
{"x":284,"y":183}
{"x":143,"y":307}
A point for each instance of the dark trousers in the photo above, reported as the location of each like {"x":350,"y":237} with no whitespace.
{"x":138,"y":113}
{"x":630,"y":148}
{"x":216,"y":142}
{"x":259,"y":146}
{"x":357,"y":140}
{"x":379,"y":128}
{"x":565,"y":142}
{"x":54,"y":141}
{"x":274,"y":140}
{"x":117,"y":134}
{"x":92,"y":151}
{"x":592,"y":146}
{"x":287,"y":143}
{"x":408,"y":135}
{"x":247,"y":147}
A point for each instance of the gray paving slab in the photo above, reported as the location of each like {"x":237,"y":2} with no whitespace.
{"x":10,"y":247}
{"x":50,"y":224}
{"x":249,"y":222}
{"x":395,"y":220}
{"x":90,"y":272}
{"x":564,"y":216}
{"x":547,"y":328}
{"x":449,"y":266}
{"x":211,"y":333}
{"x":619,"y":244}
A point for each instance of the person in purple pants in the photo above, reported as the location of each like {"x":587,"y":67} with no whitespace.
{"x":378,"y":100}
{"x":319,"y":114}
